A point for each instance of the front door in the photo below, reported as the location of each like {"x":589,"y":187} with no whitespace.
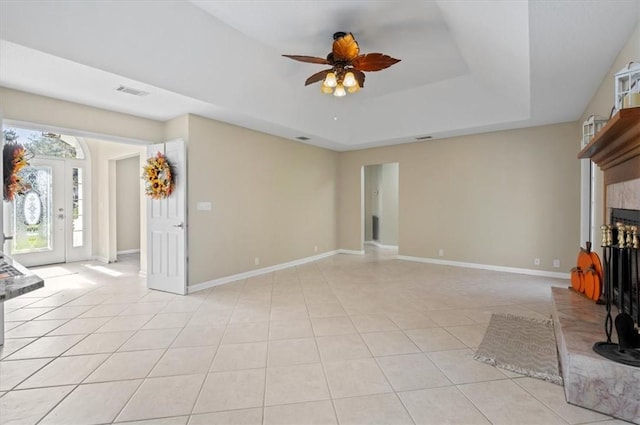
{"x":36,"y":220}
{"x":167,"y":226}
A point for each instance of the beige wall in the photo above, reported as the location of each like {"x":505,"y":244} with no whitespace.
{"x":272,"y":198}
{"x":128,"y":204}
{"x":501,"y":198}
{"x":46,"y":111}
{"x":602,"y":100}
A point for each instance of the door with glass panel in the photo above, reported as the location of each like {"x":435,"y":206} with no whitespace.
{"x":37,"y":219}
{"x":48,"y":222}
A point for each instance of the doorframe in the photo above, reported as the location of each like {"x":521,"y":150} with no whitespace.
{"x":113,"y":206}
{"x":363,"y":194}
{"x":82,"y":134}
{"x":71,"y":254}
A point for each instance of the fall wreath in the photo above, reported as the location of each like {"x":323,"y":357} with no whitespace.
{"x":158,"y":177}
{"x":14,"y":157}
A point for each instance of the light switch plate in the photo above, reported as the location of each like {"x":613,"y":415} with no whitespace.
{"x":203,"y":206}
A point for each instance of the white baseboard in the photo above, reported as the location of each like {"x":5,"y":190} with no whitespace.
{"x":101,"y":259}
{"x":264,"y":270}
{"x":517,"y":270}
{"x":350,"y":252}
{"x":379,"y":245}
{"x":128,"y":251}
{"x":258,"y":272}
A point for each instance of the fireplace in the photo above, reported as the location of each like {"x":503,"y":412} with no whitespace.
{"x":591,"y":380}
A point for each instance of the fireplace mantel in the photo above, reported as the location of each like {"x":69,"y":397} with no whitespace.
{"x":616,"y":147}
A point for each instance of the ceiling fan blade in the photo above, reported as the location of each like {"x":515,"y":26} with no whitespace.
{"x":359,"y":77}
{"x":318,"y":76}
{"x":373,"y":62}
{"x":308,"y":59}
{"x":345,"y":48}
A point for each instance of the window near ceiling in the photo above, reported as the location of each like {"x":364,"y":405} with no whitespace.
{"x":40,"y":143}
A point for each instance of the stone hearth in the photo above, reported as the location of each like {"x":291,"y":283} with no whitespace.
{"x":590,"y":380}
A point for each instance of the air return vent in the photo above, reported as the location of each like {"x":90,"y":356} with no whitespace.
{"x":129,"y":90}
{"x":302,"y":138}
{"x":423,"y":138}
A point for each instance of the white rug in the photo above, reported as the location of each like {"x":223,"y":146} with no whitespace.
{"x":523,"y":345}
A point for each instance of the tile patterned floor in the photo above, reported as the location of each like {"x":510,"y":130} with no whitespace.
{"x":345,"y":340}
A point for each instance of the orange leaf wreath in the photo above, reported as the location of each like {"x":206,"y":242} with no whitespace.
{"x":158,"y":177}
{"x":14,"y":157}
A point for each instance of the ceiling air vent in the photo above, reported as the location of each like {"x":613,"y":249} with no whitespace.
{"x":129,"y":90}
{"x":423,"y":138}
{"x":302,"y":138}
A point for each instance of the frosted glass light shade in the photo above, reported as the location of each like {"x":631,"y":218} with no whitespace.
{"x":339,"y":91}
{"x":349,"y":80}
{"x":326,"y":89}
{"x":330,"y":80}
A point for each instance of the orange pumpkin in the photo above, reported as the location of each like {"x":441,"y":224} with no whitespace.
{"x":577,"y":279}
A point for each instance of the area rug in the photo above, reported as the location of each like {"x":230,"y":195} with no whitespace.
{"x":523,"y":345}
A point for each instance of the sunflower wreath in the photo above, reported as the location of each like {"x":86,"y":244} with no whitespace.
{"x":14,"y":157}
{"x":158,"y":177}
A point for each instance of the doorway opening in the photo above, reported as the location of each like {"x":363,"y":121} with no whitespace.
{"x":69,"y":211}
{"x":128,"y":233}
{"x":381,"y":205}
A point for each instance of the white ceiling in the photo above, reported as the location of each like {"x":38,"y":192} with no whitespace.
{"x":467,"y":66}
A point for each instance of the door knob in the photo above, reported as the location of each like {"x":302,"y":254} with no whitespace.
{"x":181,"y":225}
{"x":7,"y":238}
{"x":60,"y":216}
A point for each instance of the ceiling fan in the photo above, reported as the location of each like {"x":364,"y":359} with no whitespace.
{"x":347,"y":65}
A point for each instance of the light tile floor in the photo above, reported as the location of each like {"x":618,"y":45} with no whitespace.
{"x":345,"y":340}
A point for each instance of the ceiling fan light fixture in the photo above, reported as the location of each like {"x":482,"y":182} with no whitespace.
{"x":349,"y":80}
{"x":354,"y":89}
{"x":331,"y":80}
{"x":347,"y":65}
{"x":326,"y":89}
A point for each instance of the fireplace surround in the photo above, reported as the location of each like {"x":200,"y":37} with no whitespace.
{"x":591,"y":380}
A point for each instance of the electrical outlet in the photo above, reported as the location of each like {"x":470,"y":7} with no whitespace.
{"x":315,"y":248}
{"x":556,"y":264}
{"x":536,"y":262}
{"x":441,"y":252}
{"x":257,"y":261}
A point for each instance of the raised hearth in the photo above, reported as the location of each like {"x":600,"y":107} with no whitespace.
{"x":590,"y":380}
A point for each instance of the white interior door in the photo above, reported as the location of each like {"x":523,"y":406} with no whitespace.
{"x":36,"y":220}
{"x":167,"y":226}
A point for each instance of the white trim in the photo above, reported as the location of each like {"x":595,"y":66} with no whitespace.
{"x":350,"y":252}
{"x":517,"y":270}
{"x":128,"y":251}
{"x":142,"y":273}
{"x":258,"y":272}
{"x":101,"y":259}
{"x":379,"y":245}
